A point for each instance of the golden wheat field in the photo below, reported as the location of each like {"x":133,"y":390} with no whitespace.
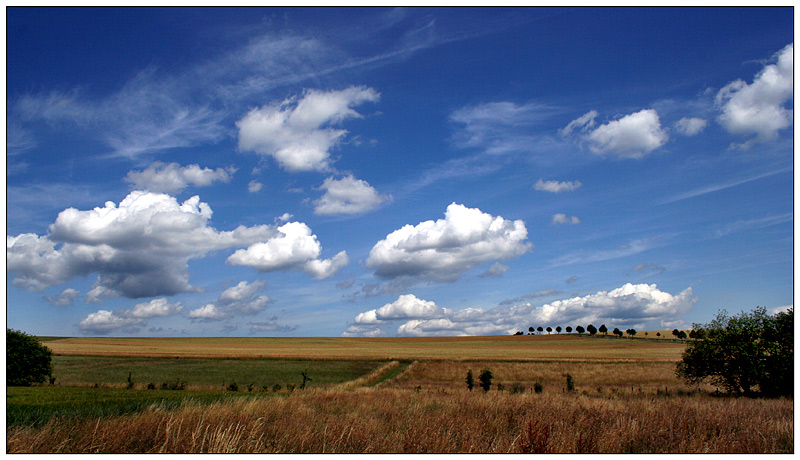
{"x":561,"y":347}
{"x":626,"y":399}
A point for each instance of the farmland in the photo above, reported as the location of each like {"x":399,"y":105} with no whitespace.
{"x":384,"y":395}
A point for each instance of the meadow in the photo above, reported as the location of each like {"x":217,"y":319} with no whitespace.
{"x":385,"y":395}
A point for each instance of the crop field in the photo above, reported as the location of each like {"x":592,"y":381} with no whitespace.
{"x":384,"y":395}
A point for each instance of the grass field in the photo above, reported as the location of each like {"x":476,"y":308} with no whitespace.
{"x":386,"y":395}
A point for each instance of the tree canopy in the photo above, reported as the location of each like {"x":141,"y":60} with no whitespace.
{"x":27,"y":361}
{"x":744,"y":352}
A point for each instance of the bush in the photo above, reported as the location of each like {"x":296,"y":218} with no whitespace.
{"x":570,"y":384}
{"x":743,"y":352}
{"x":233,"y":387}
{"x":537,"y":388}
{"x":27,"y":360}
{"x":470,"y":380}
{"x":486,"y":379}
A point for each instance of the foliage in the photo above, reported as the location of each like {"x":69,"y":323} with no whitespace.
{"x":603,"y":329}
{"x":631,"y":332}
{"x":592,"y":330}
{"x":570,"y":384}
{"x":538,"y":388}
{"x":558,"y":329}
{"x":27,"y":360}
{"x":549,"y":329}
{"x":617,"y":332}
{"x":580,"y":330}
{"x":470,"y":380}
{"x":569,"y":329}
{"x":743,"y":352}
{"x":486,"y":379}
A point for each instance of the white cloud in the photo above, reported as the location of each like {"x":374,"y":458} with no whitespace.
{"x":270,"y":326}
{"x":632,"y":136}
{"x":153,"y":308}
{"x":292,"y":247}
{"x":563,"y":219}
{"x":347,"y":195}
{"x":172,"y":178}
{"x":759,"y":108}
{"x":139,"y":248}
{"x":626,"y":306}
{"x":67,"y":297}
{"x":233,"y":301}
{"x":496,"y":270}
{"x":254,"y":186}
{"x":690,"y":126}
{"x":296,"y":132}
{"x":555,"y":186}
{"x":444,"y":249}
{"x":405,"y":307}
{"x":363,"y":331}
{"x":104,"y":322}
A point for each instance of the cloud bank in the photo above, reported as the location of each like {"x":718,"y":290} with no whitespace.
{"x":627,"y":306}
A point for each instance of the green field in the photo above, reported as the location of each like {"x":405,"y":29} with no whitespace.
{"x":208,"y":373}
{"x":36,"y":405}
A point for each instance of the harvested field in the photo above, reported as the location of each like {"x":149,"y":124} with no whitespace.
{"x":562,"y":348}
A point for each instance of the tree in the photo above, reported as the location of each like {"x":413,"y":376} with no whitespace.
{"x":569,"y":329}
{"x":470,"y":380}
{"x":658,"y":334}
{"x":744,"y":352}
{"x":540,"y":329}
{"x":631,"y":332}
{"x":617,"y":332}
{"x":676,"y":332}
{"x":591,"y":329}
{"x":580,"y":330}
{"x":530,"y":329}
{"x":603,"y":329}
{"x":306,"y":379}
{"x":486,"y":379}
{"x":682,"y":335}
{"x":558,"y":329}
{"x":549,"y":329}
{"x":27,"y":360}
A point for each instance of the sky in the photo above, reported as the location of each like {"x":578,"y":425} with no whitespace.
{"x":395,"y":171}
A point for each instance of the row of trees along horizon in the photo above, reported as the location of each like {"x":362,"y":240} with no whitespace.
{"x":693,"y":334}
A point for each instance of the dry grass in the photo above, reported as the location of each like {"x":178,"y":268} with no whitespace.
{"x":386,"y":420}
{"x":564,"y":348}
{"x":600,"y":378}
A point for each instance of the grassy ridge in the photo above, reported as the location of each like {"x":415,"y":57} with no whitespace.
{"x":559,"y":347}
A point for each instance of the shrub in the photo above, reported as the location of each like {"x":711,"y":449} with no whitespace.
{"x":570,"y":384}
{"x":470,"y":380}
{"x":742,"y":352}
{"x":537,"y":388}
{"x":276,"y":387}
{"x":486,"y":379}
{"x":290,"y":387}
{"x":151,"y":386}
{"x":233,"y":387}
{"x":27,"y":360}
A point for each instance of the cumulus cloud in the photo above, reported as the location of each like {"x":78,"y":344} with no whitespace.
{"x":234,"y":301}
{"x":67,"y":297}
{"x":296,"y":132}
{"x":496,"y":270}
{"x":405,"y":307}
{"x":632,"y":136}
{"x":555,"y":186}
{"x":690,"y":126}
{"x":627,"y":306}
{"x":103,"y":322}
{"x":563,"y":219}
{"x":254,"y":186}
{"x":293,"y":247}
{"x":760,"y":108}
{"x":347,"y":195}
{"x":139,"y":248}
{"x":444,"y":249}
{"x":173,"y":178}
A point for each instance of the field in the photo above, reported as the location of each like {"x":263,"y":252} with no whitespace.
{"x":384,"y":395}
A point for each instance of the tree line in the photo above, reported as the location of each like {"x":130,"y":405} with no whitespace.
{"x":592,"y":330}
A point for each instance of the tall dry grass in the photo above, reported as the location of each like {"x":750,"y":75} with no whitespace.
{"x":386,"y":420}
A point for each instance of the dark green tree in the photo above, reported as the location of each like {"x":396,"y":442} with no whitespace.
{"x":540,"y":329}
{"x":580,"y":330}
{"x":549,"y":330}
{"x":744,"y":352}
{"x":486,"y":379}
{"x":569,"y":329}
{"x":530,"y":330}
{"x":558,"y":329}
{"x":603,"y":329}
{"x":470,"y":380}
{"x":617,"y":332}
{"x":27,"y":360}
{"x":591,"y":329}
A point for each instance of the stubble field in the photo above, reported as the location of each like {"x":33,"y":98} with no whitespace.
{"x":385,"y":395}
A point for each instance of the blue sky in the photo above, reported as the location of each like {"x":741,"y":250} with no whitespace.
{"x":367,"y":172}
